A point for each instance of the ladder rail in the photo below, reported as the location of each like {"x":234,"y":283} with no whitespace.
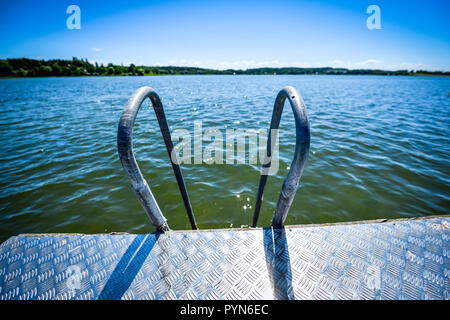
{"x":301,"y":153}
{"x":128,"y":160}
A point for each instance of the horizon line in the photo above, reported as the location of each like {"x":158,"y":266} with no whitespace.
{"x":105,"y":64}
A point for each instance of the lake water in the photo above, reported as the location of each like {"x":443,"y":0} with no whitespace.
{"x":379,"y":149}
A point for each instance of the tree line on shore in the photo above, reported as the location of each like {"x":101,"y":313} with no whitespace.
{"x":24,"y":67}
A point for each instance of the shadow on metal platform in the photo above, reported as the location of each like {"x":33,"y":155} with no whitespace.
{"x":278,"y":262}
{"x":128,"y":266}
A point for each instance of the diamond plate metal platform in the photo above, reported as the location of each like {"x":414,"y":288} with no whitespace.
{"x":398,"y":259}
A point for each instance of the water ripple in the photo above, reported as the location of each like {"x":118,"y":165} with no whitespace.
{"x":379,"y":149}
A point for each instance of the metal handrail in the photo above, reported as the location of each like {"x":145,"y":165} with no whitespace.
{"x":126,"y":154}
{"x":302,"y":132}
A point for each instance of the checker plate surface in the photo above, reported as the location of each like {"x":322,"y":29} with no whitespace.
{"x":407,"y":259}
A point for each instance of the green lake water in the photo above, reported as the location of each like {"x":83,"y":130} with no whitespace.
{"x":379,"y":149}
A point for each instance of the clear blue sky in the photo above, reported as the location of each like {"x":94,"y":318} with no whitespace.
{"x":232,"y":34}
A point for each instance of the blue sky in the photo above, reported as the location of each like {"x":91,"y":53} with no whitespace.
{"x":232,"y":34}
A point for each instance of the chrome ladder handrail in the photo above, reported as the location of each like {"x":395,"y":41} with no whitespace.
{"x":302,"y":131}
{"x":143,"y":192}
{"x":126,"y":154}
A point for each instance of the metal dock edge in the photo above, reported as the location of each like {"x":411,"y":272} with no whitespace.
{"x":396,"y":259}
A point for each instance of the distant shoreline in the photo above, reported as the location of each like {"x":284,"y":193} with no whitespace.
{"x":212,"y":74}
{"x":32,"y":68}
{"x":171,"y":75}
